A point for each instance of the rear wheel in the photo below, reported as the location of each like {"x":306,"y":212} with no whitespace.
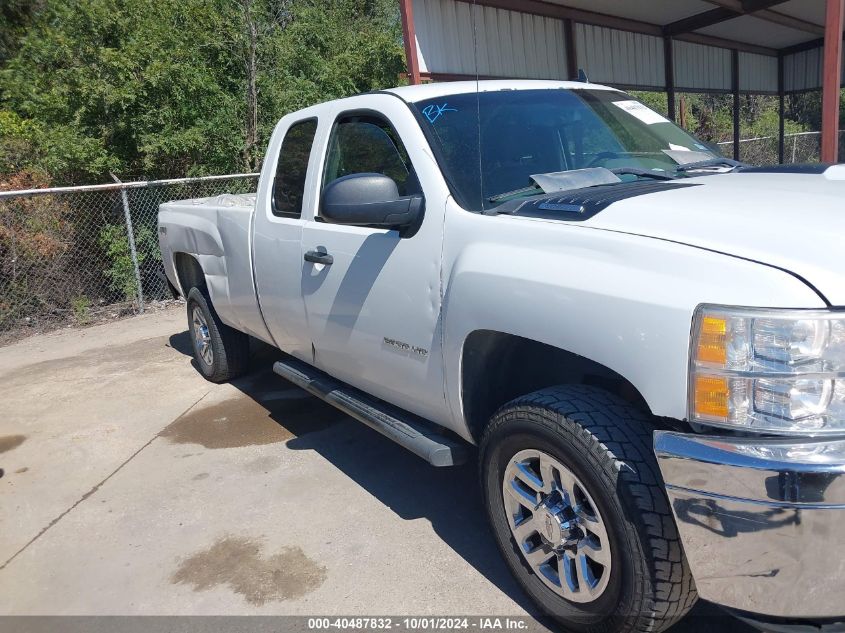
{"x":577,"y":507}
{"x":221,"y":352}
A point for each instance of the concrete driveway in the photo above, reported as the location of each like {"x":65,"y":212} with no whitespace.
{"x":131,"y":485}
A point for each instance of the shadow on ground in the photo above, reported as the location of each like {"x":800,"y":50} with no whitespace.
{"x":449,"y":498}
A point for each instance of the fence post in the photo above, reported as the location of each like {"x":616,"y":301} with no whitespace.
{"x":132,"y":250}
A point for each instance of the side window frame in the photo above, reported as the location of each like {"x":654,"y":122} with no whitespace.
{"x":274,"y":210}
{"x":391,"y":132}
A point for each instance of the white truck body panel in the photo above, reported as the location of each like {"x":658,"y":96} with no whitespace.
{"x":794,"y":221}
{"x":217,"y":231}
{"x":569,"y":286}
{"x":390,"y":288}
{"x":277,"y":254}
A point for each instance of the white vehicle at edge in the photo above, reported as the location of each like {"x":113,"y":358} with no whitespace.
{"x":645,"y":340}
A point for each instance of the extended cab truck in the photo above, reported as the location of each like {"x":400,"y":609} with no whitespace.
{"x":645,"y":340}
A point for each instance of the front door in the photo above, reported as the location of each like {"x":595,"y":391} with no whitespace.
{"x":374,"y":313}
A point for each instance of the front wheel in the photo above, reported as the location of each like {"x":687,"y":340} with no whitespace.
{"x":577,"y":507}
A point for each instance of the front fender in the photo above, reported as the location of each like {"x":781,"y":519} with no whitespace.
{"x":620,"y":300}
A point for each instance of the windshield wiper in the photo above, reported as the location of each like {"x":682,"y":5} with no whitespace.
{"x":713,"y":162}
{"x":644,"y":173}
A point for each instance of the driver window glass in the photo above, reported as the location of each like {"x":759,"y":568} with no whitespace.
{"x":364,"y":144}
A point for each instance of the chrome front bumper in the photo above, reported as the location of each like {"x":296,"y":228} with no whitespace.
{"x":762,"y":521}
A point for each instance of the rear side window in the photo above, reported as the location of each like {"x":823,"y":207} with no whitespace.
{"x":366,"y":144}
{"x":292,"y":168}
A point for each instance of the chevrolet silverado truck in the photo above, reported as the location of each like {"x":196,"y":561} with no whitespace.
{"x":644,"y":340}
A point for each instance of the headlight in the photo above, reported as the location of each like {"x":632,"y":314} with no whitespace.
{"x":768,"y":371}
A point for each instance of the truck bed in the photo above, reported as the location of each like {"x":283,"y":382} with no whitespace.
{"x":217,"y":232}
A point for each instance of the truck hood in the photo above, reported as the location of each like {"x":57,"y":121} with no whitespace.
{"x":795,"y":221}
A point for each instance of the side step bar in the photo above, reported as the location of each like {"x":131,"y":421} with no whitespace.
{"x":403,"y":428}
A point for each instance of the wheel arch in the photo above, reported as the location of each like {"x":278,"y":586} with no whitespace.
{"x":497,"y":367}
{"x":189,"y":273}
{"x":192,"y":271}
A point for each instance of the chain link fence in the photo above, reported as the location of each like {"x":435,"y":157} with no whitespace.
{"x":801,"y":147}
{"x":78,"y":255}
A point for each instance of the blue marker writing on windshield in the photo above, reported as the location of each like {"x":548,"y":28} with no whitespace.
{"x":434,"y":112}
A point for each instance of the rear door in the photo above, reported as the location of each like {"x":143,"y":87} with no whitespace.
{"x":283,"y":199}
{"x":374,"y":313}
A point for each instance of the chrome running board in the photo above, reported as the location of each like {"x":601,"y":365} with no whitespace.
{"x":406,"y":429}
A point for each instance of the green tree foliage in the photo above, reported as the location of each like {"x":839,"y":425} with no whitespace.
{"x":161,"y":88}
{"x":15,"y":17}
{"x":710,"y":118}
{"x":121,"y":270}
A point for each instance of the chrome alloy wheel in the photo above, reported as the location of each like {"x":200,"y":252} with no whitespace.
{"x":557,"y":526}
{"x":202,"y":338}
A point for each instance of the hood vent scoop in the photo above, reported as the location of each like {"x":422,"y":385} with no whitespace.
{"x":581,"y":204}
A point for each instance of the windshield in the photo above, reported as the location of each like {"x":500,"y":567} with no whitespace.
{"x":525,"y":132}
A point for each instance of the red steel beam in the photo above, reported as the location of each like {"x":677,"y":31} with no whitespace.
{"x":409,"y":34}
{"x":832,"y":79}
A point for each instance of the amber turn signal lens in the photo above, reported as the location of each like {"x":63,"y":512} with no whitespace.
{"x":711,"y":397}
{"x":713,"y":341}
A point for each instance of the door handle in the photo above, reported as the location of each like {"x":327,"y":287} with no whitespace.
{"x":316,"y":257}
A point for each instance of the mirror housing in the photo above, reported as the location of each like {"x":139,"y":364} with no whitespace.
{"x":369,"y":200}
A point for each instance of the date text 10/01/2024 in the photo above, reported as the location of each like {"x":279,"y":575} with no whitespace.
{"x":420,"y":624}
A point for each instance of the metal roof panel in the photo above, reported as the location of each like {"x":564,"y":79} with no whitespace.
{"x":751,"y":30}
{"x":655,"y":11}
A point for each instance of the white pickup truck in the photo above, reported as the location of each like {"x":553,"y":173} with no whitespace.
{"x":645,"y":340}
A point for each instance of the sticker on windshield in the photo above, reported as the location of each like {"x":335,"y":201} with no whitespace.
{"x":433,"y":112}
{"x":641,"y":112}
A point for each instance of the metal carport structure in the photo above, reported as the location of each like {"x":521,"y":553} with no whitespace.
{"x":774,"y":47}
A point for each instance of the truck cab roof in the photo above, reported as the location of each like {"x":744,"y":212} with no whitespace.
{"x":423,"y":92}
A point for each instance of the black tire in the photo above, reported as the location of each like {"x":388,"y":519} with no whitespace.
{"x":229,"y":347}
{"x":607,"y":444}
